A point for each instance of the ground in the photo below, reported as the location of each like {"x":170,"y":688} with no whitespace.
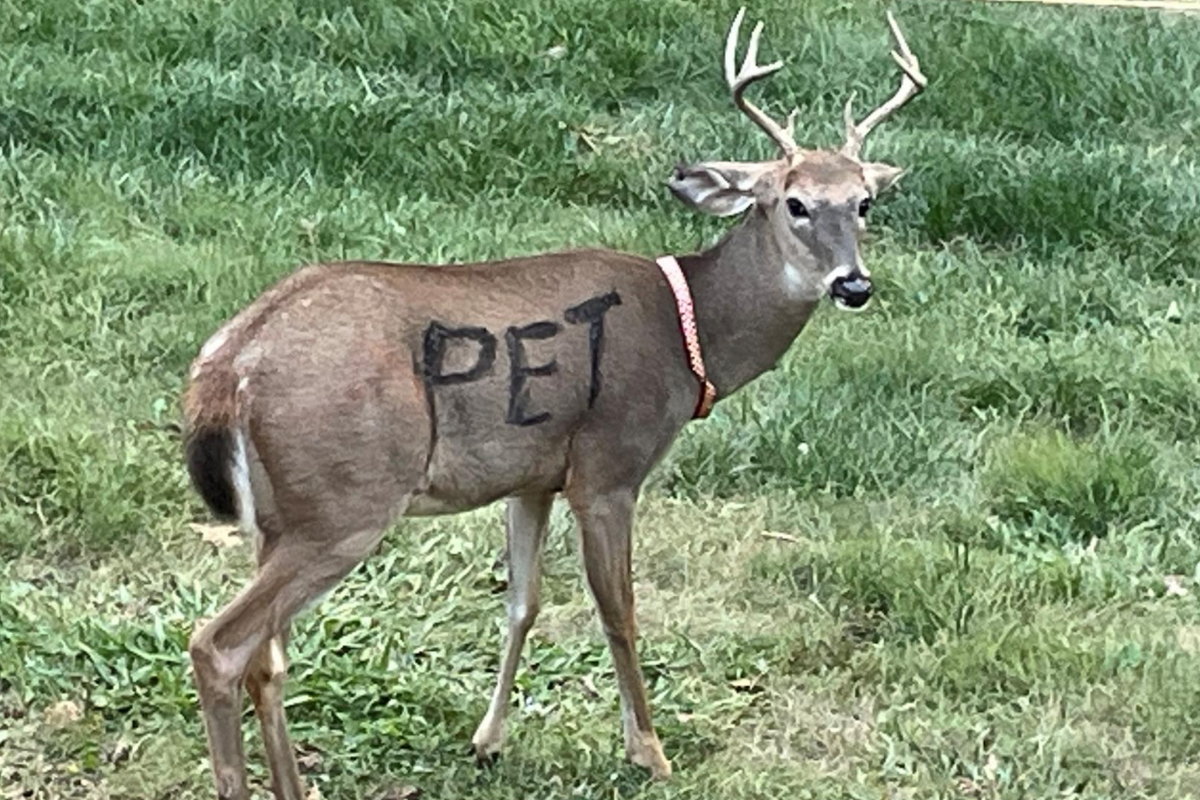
{"x":948,"y":550}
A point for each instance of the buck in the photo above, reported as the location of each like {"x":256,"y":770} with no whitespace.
{"x":350,"y":395}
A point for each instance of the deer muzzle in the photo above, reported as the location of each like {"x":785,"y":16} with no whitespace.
{"x":852,"y":290}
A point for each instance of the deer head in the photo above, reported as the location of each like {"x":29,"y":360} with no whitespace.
{"x":812,"y":204}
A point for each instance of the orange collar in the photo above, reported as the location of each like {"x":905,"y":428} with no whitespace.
{"x":691,"y":339}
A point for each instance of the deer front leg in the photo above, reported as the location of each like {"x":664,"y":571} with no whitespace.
{"x":528,"y":519}
{"x":606,"y":527}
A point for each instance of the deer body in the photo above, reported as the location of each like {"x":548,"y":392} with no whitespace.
{"x":350,"y":395}
{"x":382,"y":371}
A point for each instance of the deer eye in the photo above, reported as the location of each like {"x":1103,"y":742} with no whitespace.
{"x":864,"y":207}
{"x":796,"y":208}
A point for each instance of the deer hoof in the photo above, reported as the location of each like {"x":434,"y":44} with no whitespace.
{"x":485,"y":755}
{"x":487,"y":742}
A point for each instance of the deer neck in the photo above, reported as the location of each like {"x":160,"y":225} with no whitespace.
{"x":750,"y":304}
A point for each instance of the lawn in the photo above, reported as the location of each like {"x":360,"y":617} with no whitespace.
{"x":947,"y":550}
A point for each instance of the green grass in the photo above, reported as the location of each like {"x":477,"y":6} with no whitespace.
{"x":987,"y":483}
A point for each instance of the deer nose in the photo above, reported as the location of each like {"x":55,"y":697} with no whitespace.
{"x":852,"y":290}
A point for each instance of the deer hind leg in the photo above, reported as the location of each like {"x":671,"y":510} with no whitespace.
{"x":606,"y":527}
{"x":292,"y":576}
{"x":528,"y":519}
{"x":264,"y":682}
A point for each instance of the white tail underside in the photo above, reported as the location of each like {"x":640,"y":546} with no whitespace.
{"x":240,"y":474}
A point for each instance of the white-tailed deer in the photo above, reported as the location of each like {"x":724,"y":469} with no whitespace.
{"x":349,"y":395}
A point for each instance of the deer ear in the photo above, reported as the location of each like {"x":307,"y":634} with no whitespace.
{"x":880,"y":176}
{"x":721,"y":188}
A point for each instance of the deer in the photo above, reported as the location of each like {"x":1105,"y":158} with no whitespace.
{"x":352,"y":394}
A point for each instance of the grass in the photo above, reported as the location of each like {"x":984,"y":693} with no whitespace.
{"x":986,"y":486}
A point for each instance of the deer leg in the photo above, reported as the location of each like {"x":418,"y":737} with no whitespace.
{"x":606,"y":526}
{"x":292,"y":576}
{"x":264,"y":682}
{"x":528,"y":519}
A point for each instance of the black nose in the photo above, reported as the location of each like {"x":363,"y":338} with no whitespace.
{"x":853,"y":290}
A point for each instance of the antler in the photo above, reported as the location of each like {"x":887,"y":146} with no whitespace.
{"x":739,"y":79}
{"x":911,"y":85}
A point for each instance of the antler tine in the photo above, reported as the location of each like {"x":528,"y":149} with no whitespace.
{"x":912,"y":83}
{"x":789,"y":127}
{"x":751,"y":71}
